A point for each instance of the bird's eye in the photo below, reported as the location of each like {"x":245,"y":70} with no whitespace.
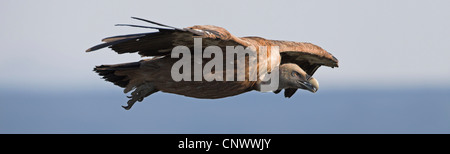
{"x":295,"y":74}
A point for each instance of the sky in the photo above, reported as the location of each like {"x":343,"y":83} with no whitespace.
{"x":381,"y":45}
{"x":378,"y":43}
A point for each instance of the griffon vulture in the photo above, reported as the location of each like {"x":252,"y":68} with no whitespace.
{"x":296,"y":62}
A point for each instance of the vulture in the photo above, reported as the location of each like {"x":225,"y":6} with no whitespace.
{"x":294,"y":63}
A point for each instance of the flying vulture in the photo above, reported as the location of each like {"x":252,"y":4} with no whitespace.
{"x":295,"y":63}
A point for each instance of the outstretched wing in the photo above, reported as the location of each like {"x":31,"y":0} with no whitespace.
{"x":306,"y":55}
{"x":162,"y":42}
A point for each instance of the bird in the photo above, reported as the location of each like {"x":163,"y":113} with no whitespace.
{"x":294,"y":62}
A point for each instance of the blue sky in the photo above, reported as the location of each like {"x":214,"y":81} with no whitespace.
{"x":378,"y":43}
{"x":389,"y":49}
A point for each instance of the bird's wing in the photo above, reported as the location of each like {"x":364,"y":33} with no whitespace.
{"x":308,"y":56}
{"x":162,"y":42}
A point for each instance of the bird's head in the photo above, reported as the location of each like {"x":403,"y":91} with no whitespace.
{"x":292,"y":76}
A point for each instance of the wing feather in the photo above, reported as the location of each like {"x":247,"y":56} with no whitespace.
{"x":162,"y":42}
{"x":307,"y":55}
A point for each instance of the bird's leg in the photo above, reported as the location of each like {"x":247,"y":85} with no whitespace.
{"x":134,"y":96}
{"x":139,"y":94}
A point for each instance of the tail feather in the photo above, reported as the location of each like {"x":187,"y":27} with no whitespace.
{"x":127,"y":76}
{"x":108,"y":72}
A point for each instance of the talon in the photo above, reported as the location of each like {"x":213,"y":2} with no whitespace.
{"x":139,"y":94}
{"x":130,"y":104}
{"x":126,"y":107}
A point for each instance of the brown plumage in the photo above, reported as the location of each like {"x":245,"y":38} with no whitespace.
{"x":297,"y":62}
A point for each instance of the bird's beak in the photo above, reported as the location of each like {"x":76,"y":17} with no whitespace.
{"x":312,"y":85}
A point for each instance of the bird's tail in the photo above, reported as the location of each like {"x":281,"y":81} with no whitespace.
{"x":117,"y":73}
{"x":127,"y":76}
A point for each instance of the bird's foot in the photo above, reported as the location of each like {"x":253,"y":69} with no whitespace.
{"x":138,"y":94}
